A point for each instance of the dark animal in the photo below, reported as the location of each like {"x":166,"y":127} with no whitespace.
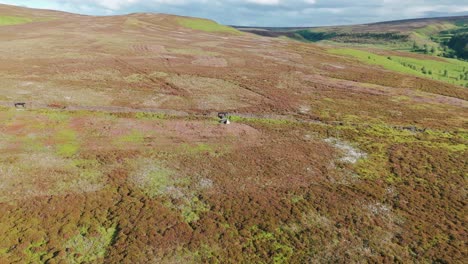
{"x":222,"y":115}
{"x":224,"y":118}
{"x":20,"y":104}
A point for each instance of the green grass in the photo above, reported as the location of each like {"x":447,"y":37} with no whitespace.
{"x":134,"y":137}
{"x":87,"y":248}
{"x":429,"y":30}
{"x":200,"y":148}
{"x":156,"y":181}
{"x":263,"y":121}
{"x":35,"y":252}
{"x":446,"y":70}
{"x":192,"y":208}
{"x":67,"y":143}
{"x":151,"y":116}
{"x":278,"y":248}
{"x":376,"y":140}
{"x":13,"y":20}
{"x":153,"y":179}
{"x":206,"y":25}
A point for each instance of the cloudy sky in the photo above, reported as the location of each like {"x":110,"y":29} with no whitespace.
{"x":265,"y":12}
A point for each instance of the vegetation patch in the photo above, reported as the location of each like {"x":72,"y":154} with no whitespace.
{"x":206,"y":25}
{"x":154,"y":179}
{"x":269,"y":247}
{"x":348,"y":37}
{"x":202,"y":148}
{"x":151,"y":116}
{"x":36,"y":252}
{"x":135,"y":137}
{"x":350,"y":154}
{"x":178,"y":193}
{"x":192,"y":208}
{"x":14,"y":20}
{"x":449,"y":71}
{"x":66,"y":143}
{"x":87,"y":247}
{"x":263,"y":121}
{"x":376,"y":139}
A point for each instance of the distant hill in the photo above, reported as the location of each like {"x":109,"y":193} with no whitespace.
{"x":441,"y":36}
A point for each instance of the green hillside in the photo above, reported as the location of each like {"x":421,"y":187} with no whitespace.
{"x":13,"y":20}
{"x":445,"y":37}
{"x":447,"y":70}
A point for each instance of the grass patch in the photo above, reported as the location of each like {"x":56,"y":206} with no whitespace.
{"x":134,"y":137}
{"x":206,"y":25}
{"x":278,"y":250}
{"x":36,"y":252}
{"x":435,"y":28}
{"x":192,"y":209}
{"x":55,"y":115}
{"x":88,"y":177}
{"x":67,"y":149}
{"x":86,"y":247}
{"x":449,"y":70}
{"x":157,"y":181}
{"x":153,"y":179}
{"x":201,"y":148}
{"x":151,"y":116}
{"x":14,"y":20}
{"x":67,"y":144}
{"x":263,"y":121}
{"x":378,"y":139}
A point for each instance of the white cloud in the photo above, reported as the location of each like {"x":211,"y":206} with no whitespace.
{"x":264,"y":12}
{"x":264,"y":2}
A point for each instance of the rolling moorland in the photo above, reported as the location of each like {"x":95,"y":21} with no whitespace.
{"x":444,"y":36}
{"x":334,"y":154}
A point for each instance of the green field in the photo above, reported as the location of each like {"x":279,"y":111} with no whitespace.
{"x":205,"y":25}
{"x":446,"y":70}
{"x":14,"y":20}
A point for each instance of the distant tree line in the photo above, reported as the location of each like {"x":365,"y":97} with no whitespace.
{"x":454,"y":42}
{"x":459,"y":44}
{"x":423,"y":49}
{"x":350,"y":37}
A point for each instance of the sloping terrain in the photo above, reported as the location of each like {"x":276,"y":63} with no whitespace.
{"x":118,"y":156}
{"x":435,"y":36}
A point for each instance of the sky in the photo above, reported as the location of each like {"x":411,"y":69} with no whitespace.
{"x":274,"y":13}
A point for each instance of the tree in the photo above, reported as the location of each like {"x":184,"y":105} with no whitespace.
{"x":426,"y":49}
{"x":445,"y":73}
{"x":458,"y":44}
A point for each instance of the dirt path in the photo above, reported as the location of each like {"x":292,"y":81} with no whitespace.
{"x":169,"y":112}
{"x":177,"y":113}
{"x":108,"y":109}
